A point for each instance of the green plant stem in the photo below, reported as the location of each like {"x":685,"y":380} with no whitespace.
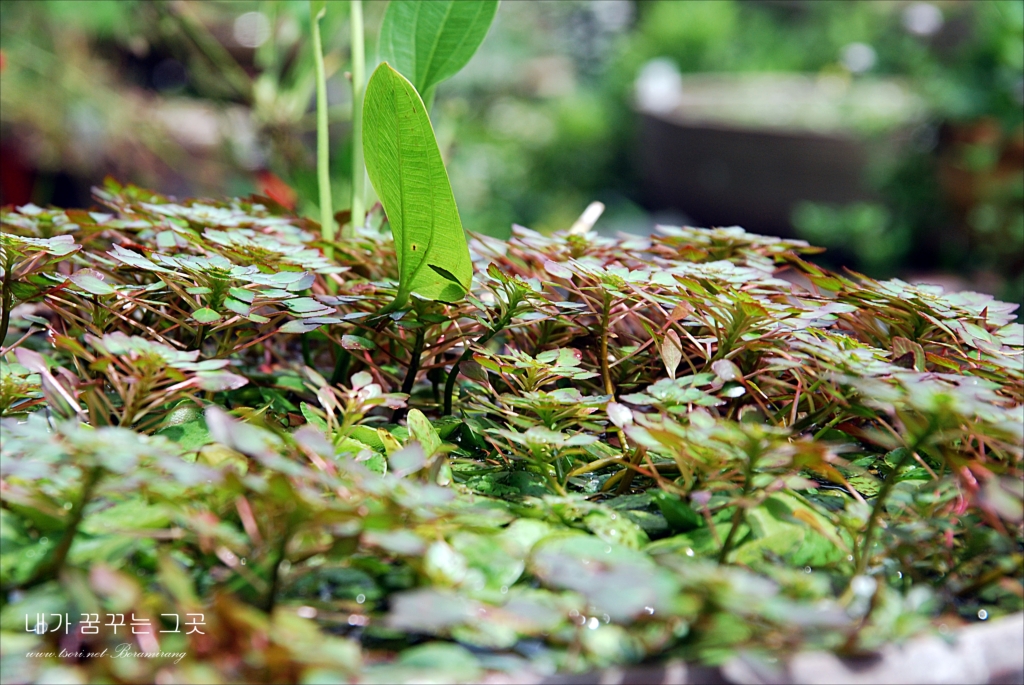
{"x":51,"y":568}
{"x":449,"y":385}
{"x":8,"y":300}
{"x":876,"y":511}
{"x":410,"y":376}
{"x":275,"y":570}
{"x":434,"y":375}
{"x":414,"y":360}
{"x":737,"y":518}
{"x":307,"y":359}
{"x":342,"y":361}
{"x":323,"y":143}
{"x":609,"y":389}
{"x":358,"y":217}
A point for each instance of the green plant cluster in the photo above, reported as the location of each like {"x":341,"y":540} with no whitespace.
{"x":611,"y":450}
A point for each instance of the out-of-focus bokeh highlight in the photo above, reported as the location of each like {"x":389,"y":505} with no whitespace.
{"x":889,"y":131}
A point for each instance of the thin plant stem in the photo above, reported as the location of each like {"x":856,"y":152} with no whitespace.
{"x":737,"y":518}
{"x":51,"y":568}
{"x":8,"y":297}
{"x":358,"y":217}
{"x":323,"y":143}
{"x":449,"y":386}
{"x":342,"y":360}
{"x":414,"y":367}
{"x":275,"y":570}
{"x":414,"y":360}
{"x":609,"y":389}
{"x":876,"y":511}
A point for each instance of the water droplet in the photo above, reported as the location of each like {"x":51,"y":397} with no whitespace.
{"x":574,"y":613}
{"x":43,"y":540}
{"x":982,"y":614}
{"x":649,"y":611}
{"x":606,"y":618}
{"x":608,"y":550}
{"x":613,"y":516}
{"x":863,"y":586}
{"x":67,"y":505}
{"x":242,"y":561}
{"x":849,"y":557}
{"x":594,"y":623}
{"x":504,"y":589}
{"x":899,"y":574}
{"x":360,"y":598}
{"x":807,"y":569}
{"x":689,"y":552}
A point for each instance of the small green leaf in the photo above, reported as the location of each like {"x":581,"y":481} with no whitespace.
{"x":242,"y":294}
{"x":190,"y":435}
{"x":312,"y":416}
{"x":217,"y":381}
{"x":429,"y":42}
{"x":445,"y":273}
{"x":679,"y":514}
{"x":91,"y":282}
{"x":236,"y":306}
{"x":356,"y":342}
{"x":405,"y":167}
{"x":205,"y":315}
{"x":422,"y":431}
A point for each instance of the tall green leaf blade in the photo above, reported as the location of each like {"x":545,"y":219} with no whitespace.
{"x":429,"y":42}
{"x":406,"y":170}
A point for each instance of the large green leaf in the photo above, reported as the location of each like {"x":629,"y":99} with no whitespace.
{"x":406,"y":170}
{"x":429,"y":42}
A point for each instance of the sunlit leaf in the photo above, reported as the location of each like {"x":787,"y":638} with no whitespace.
{"x":429,"y":42}
{"x":405,"y":167}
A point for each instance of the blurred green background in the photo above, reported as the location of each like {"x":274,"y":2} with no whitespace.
{"x":890,"y":132}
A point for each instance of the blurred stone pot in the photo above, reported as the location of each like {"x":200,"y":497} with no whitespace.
{"x":745,"y":149}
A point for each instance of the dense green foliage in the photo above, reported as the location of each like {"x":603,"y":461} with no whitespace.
{"x":685,"y":445}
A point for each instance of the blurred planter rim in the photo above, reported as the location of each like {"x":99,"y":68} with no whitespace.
{"x":740,"y":149}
